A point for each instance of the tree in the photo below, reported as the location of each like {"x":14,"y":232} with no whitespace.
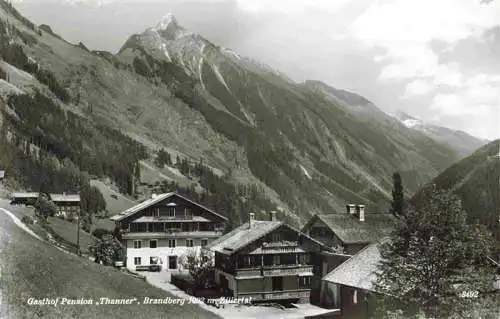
{"x":162,"y":158}
{"x":108,"y":250}
{"x":397,"y":204}
{"x":200,"y":265}
{"x":433,"y":258}
{"x":92,"y":200}
{"x":44,"y":207}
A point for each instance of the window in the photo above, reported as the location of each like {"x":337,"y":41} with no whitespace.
{"x":137,"y":243}
{"x":137,"y":260}
{"x":153,"y":260}
{"x":171,"y":211}
{"x":304,"y":259}
{"x":171,"y":243}
{"x":157,"y":212}
{"x":276,"y":260}
{"x":172,"y":262}
{"x":247,"y":261}
{"x":204,"y":242}
{"x":189,"y":243}
{"x":187,"y":213}
{"x":304,"y":282}
{"x":355,"y":297}
{"x":276,"y":237}
{"x":153,"y":243}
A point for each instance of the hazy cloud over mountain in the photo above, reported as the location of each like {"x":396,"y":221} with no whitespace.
{"x":436,"y":59}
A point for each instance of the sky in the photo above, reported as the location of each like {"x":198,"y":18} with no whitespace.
{"x":438,"y":60}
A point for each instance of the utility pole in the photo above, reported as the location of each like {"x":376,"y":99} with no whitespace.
{"x":78,"y":234}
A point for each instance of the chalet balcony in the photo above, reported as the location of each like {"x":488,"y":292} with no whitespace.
{"x":171,"y":234}
{"x":275,"y":271}
{"x":276,"y":295}
{"x":287,"y":270}
{"x":249,"y":272}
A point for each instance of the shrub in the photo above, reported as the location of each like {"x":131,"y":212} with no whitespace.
{"x":27,"y":220}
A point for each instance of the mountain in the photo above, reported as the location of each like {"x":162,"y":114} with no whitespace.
{"x":233,"y":123}
{"x":476,"y":179}
{"x":462,"y":142}
{"x":352,"y":102}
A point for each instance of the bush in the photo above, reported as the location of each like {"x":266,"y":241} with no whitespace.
{"x":27,"y":220}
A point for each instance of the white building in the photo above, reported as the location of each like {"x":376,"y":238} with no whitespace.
{"x":163,"y":229}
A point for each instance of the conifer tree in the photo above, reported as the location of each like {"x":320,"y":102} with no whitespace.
{"x":397,"y":205}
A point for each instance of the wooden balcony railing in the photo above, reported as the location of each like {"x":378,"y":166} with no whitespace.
{"x":272,"y":271}
{"x":285,"y":270}
{"x":276,"y":295}
{"x":249,"y":272}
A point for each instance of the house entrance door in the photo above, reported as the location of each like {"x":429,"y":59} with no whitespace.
{"x":172,"y":262}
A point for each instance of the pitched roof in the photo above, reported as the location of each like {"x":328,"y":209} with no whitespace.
{"x":242,"y":236}
{"x":351,"y":231}
{"x":149,"y":202}
{"x":24,"y":195}
{"x":359,"y":271}
{"x":65,"y":197}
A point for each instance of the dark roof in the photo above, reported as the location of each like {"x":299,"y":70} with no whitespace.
{"x":352,"y":231}
{"x":359,"y":271}
{"x":244,"y":235}
{"x":149,"y":202}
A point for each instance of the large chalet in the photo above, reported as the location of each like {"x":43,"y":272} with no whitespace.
{"x":165,"y":228}
{"x":268,"y":261}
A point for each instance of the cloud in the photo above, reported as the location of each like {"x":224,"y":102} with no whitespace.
{"x":417,"y":87}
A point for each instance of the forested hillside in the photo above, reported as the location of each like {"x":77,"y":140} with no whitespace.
{"x":247,"y":138}
{"x":476,"y":179}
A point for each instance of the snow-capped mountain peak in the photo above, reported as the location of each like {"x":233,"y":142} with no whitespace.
{"x":166,"y":21}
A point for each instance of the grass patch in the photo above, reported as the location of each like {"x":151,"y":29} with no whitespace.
{"x":32,"y":268}
{"x":67,"y":232}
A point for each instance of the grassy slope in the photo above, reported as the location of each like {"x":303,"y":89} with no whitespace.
{"x":31,"y":268}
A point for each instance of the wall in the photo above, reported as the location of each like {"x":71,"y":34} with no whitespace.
{"x":162,"y":251}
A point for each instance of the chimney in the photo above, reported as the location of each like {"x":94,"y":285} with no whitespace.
{"x":351,"y":209}
{"x":251,"y":218}
{"x":361,"y":210}
{"x":153,"y":196}
{"x":273,"y":216}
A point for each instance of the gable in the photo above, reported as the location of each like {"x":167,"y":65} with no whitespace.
{"x":167,"y":204}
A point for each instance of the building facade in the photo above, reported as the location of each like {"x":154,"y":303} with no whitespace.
{"x":268,"y":261}
{"x":164,"y":229}
{"x":350,"y":286}
{"x":351,"y":231}
{"x":67,"y":204}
